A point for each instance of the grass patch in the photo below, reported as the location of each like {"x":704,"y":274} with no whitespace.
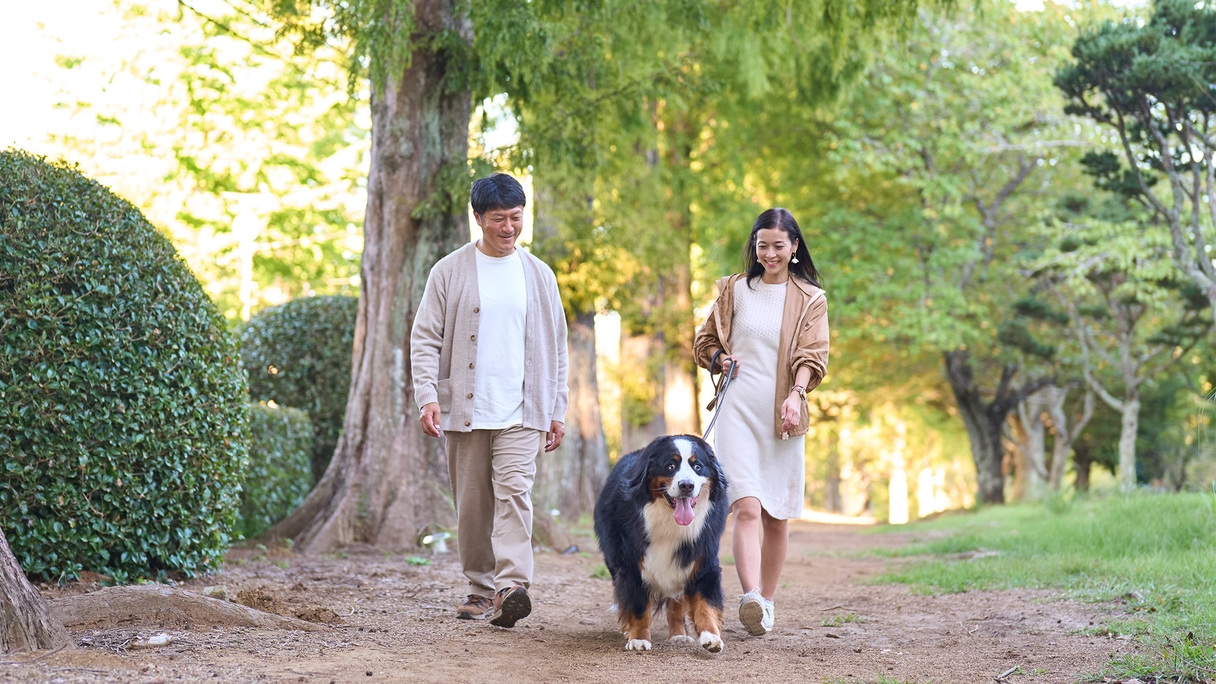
{"x":1156,"y":554}
{"x":840,"y":619}
{"x":600,"y":571}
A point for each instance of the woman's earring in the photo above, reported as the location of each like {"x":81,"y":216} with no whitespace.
{"x":794,"y":260}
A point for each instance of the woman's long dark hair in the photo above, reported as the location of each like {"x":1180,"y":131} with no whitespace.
{"x":782,"y":220}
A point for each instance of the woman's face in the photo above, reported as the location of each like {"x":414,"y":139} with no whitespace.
{"x":774,"y":249}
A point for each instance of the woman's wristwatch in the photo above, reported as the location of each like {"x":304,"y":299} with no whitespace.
{"x":800,"y":390}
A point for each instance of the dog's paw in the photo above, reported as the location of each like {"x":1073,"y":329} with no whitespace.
{"x":682,"y":640}
{"x":711,"y":642}
{"x":637,"y":645}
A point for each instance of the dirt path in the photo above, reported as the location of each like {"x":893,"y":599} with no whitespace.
{"x":397,"y":624}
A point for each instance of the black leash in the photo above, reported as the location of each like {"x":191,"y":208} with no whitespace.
{"x":719,"y":393}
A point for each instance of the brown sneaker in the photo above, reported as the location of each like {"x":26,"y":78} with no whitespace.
{"x":510,"y":604}
{"x":475,"y":608}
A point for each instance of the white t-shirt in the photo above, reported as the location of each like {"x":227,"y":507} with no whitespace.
{"x":498,"y":391}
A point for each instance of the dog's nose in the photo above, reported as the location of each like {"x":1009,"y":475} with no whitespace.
{"x":686,"y":488}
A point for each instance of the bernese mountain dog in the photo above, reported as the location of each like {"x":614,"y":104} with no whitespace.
{"x":659,"y":519}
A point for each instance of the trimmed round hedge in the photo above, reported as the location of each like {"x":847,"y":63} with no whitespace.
{"x":298,"y":354}
{"x":123,"y":406}
{"x":280,"y":466}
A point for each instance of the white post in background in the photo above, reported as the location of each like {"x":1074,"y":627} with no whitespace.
{"x":246,"y":226}
{"x":897,"y":489}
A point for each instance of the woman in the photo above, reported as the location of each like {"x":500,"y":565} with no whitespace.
{"x":769,"y":326}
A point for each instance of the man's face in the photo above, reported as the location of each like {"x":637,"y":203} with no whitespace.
{"x":500,"y":228}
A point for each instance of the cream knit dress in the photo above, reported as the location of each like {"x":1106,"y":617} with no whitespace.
{"x":756,"y":460}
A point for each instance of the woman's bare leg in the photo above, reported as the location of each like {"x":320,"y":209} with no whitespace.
{"x":745,"y":542}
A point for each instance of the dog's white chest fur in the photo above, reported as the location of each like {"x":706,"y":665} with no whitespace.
{"x":661,"y":566}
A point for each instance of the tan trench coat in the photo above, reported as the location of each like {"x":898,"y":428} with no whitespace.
{"x":804,"y":339}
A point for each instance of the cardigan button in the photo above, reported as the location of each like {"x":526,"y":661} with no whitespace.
{"x":467,"y":423}
{"x":470,"y":395}
{"x":476,"y":309}
{"x":472,"y":364}
{"x":472,"y":338}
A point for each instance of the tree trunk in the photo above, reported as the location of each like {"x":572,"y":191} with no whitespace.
{"x":569,"y":478}
{"x":985,"y":420}
{"x":1082,"y":460}
{"x":387,"y":482}
{"x":1030,"y":480}
{"x":680,"y":410}
{"x":1065,"y":436}
{"x":1130,"y":423}
{"x":667,"y":315}
{"x":831,"y":495}
{"x":26,"y":624}
{"x":984,"y":434}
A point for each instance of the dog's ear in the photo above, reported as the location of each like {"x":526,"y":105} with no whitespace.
{"x":635,"y":477}
{"x":707,"y":453}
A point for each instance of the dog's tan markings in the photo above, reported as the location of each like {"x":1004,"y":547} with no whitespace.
{"x":658,"y":486}
{"x":676,"y":609}
{"x":637,"y":629}
{"x":706,"y":622}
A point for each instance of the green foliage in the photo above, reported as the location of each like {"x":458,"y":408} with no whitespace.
{"x":1151,"y":552}
{"x":1015,"y":334}
{"x":249,"y":157}
{"x":122,"y":402}
{"x":1149,"y":82}
{"x":280,"y":467}
{"x":379,"y":31}
{"x":298,"y":354}
{"x":1033,"y":307}
{"x":938,"y":166}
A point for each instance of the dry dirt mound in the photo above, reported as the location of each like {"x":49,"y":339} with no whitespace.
{"x":397,"y":624}
{"x":163,"y":607}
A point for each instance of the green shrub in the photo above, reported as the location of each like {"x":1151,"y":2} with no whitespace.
{"x":280,"y":466}
{"x":298,"y":354}
{"x":123,"y":405}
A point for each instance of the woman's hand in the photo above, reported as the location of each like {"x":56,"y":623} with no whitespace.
{"x":791,"y":411}
{"x":729,"y":360}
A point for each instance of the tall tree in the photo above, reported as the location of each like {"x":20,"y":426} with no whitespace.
{"x":963,"y":134}
{"x":1151,"y":82}
{"x":1121,"y":292}
{"x":386,"y":482}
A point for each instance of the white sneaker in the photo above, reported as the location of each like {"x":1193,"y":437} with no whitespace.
{"x":756,"y":613}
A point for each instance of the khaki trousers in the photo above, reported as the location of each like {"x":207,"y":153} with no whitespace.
{"x":492,"y":473}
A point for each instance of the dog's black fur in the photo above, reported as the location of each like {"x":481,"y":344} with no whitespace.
{"x":636,"y":516}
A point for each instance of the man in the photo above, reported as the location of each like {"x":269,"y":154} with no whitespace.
{"x":488,"y":350}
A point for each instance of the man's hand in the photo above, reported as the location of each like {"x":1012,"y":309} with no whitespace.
{"x":553,"y":439}
{"x":430,"y":419}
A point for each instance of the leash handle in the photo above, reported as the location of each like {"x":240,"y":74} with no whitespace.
{"x":719,"y":395}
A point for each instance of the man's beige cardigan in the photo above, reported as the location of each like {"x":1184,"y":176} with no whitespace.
{"x":444,"y":339}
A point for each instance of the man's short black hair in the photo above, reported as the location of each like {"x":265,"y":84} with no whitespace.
{"x":499,"y":191}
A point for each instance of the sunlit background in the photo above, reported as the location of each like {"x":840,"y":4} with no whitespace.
{"x":154,"y":102}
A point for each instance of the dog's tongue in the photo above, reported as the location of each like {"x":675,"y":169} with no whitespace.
{"x":683,"y":510}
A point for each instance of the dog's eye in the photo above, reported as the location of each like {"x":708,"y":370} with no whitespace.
{"x":671,"y":467}
{"x":696,"y":467}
